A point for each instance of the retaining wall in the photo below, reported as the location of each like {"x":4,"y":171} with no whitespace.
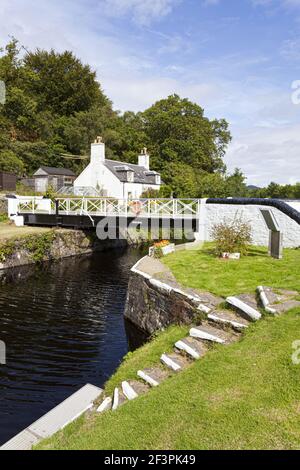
{"x":219,"y":211}
{"x":65,"y":243}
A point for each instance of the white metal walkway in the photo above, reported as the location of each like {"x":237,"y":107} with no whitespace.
{"x":55,"y":420}
{"x":150,"y":208}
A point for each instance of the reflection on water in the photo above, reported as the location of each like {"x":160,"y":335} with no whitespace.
{"x":63,"y":327}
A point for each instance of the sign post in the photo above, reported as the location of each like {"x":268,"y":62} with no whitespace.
{"x":275,"y":238}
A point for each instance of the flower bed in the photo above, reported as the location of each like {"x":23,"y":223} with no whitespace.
{"x":161,"y":248}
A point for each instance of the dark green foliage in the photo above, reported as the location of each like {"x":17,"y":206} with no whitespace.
{"x":277,"y":191}
{"x":56,"y":106}
{"x":39,"y":245}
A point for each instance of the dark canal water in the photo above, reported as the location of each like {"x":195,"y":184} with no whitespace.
{"x":63,"y":327}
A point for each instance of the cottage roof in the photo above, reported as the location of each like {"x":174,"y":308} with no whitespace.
{"x":57,"y":171}
{"x":141,"y":174}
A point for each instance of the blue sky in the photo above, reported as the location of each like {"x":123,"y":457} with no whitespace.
{"x":236,"y":58}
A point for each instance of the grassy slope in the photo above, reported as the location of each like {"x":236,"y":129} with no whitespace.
{"x":243,"y":396}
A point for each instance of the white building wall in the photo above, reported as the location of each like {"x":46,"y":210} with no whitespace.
{"x":97,"y":175}
{"x":218,"y":212}
{"x":137,"y":189}
{"x":294,"y":204}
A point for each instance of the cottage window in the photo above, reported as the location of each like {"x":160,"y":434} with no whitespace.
{"x":68,"y":180}
{"x":130,"y":176}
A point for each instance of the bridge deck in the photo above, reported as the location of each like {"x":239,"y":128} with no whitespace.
{"x":55,"y":420}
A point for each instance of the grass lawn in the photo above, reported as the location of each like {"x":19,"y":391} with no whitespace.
{"x":8,"y":230}
{"x":242,"y":396}
{"x":202,"y":270}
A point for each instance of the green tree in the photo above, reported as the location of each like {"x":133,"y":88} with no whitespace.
{"x":11,"y":163}
{"x":235,"y":184}
{"x":61,"y":82}
{"x":178,"y":132}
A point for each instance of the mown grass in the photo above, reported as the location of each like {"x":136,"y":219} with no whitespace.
{"x":202,"y":270}
{"x":242,"y":396}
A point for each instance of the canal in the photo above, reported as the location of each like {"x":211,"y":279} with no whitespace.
{"x":63,"y":327}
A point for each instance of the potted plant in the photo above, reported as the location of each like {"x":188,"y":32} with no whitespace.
{"x":161,"y":248}
{"x":232,"y":238}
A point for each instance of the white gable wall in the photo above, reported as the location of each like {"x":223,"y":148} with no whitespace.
{"x":96,"y":174}
{"x":40,"y":172}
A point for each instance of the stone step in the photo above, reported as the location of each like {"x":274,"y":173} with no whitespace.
{"x":209,"y":333}
{"x":246,"y":305}
{"x":226,"y":317}
{"x":283,"y":307}
{"x":118,"y":399}
{"x":174,"y":361}
{"x":105,"y":405}
{"x":153,"y":376}
{"x":277,"y":300}
{"x":192,"y":347}
{"x":128,"y":391}
{"x":138,"y":387}
{"x":267,"y":298}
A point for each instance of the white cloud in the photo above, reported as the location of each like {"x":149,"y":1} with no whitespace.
{"x":267,"y":154}
{"x":142,"y":11}
{"x":211,"y":2}
{"x":134,"y":74}
{"x":276,"y":3}
{"x":290,"y":49}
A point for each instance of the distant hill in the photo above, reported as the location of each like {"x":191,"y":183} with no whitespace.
{"x":251,"y":186}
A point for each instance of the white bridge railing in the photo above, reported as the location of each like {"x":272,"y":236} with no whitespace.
{"x":172,"y":208}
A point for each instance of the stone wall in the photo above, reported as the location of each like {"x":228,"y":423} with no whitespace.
{"x":152,"y":309}
{"x":219,"y":212}
{"x":155,"y":299}
{"x":52,"y":245}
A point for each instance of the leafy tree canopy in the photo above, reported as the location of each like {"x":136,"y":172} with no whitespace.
{"x":55,"y":105}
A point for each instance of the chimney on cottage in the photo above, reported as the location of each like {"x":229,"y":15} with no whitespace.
{"x":98,"y":151}
{"x":144,"y":159}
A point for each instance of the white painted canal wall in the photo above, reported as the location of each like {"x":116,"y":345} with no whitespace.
{"x":215,"y":213}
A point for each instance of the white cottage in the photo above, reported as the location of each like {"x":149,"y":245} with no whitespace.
{"x":117,"y":179}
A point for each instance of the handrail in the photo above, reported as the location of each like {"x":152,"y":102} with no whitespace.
{"x":277,"y":203}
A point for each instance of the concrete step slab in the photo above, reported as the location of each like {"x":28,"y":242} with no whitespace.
{"x":139,"y":387}
{"x":153,"y":375}
{"x":174,"y":361}
{"x":105,"y":405}
{"x":118,"y":399}
{"x":277,"y":301}
{"x":211,"y":334}
{"x":283,"y":307}
{"x":228,"y":318}
{"x":192,"y":347}
{"x":128,"y":391}
{"x":246,"y":306}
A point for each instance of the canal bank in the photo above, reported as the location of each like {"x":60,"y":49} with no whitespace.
{"x":21,"y":246}
{"x":63,"y":327}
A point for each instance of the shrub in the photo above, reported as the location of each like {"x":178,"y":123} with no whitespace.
{"x":232,"y":237}
{"x":3,"y":218}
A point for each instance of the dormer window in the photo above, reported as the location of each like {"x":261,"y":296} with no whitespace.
{"x":122,"y":168}
{"x":130,"y":176}
{"x":157,"y":179}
